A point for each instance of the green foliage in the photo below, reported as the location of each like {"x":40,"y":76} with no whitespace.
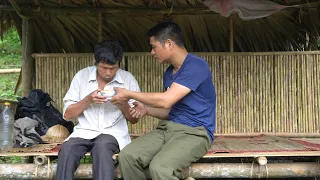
{"x":86,"y":160}
{"x":10,"y":61}
{"x":10,"y":57}
{"x":7,"y":85}
{"x":10,"y":160}
{"x":11,"y":44}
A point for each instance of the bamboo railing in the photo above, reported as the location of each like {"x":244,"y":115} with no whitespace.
{"x":272,"y":93}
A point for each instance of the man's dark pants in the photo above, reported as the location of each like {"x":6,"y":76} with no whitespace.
{"x":102,"y":149}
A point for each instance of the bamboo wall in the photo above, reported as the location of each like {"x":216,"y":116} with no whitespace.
{"x":273,"y":93}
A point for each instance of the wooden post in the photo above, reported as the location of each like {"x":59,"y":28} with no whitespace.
{"x":27,"y":70}
{"x":231,"y":33}
{"x":100,"y":26}
{"x":28,"y":66}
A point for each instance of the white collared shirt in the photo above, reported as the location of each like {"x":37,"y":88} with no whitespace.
{"x":99,"y":118}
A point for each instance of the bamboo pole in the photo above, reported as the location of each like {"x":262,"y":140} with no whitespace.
{"x":113,"y":10}
{"x":238,"y":76}
{"x":233,"y":104}
{"x":314,"y":92}
{"x":294,"y":91}
{"x":261,"y":101}
{"x":279,"y":134}
{"x":243,"y":100}
{"x":271,"y":95}
{"x":281,"y":100}
{"x":251,"y":134}
{"x":246,"y":87}
{"x":291,"y":53}
{"x":6,"y":100}
{"x":285,"y":92}
{"x":317,"y":94}
{"x":303,"y":92}
{"x":8,"y":71}
{"x":309,"y":124}
{"x":290,"y":95}
{"x":252,"y":91}
{"x":224,"y":82}
{"x":196,"y":170}
{"x":277,"y":98}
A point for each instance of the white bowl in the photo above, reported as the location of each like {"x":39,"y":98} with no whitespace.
{"x":107,"y":93}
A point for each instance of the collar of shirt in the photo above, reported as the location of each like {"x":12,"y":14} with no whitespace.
{"x":93,"y":76}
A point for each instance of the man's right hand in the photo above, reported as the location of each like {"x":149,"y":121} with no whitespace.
{"x":96,"y":98}
{"x":139,"y":110}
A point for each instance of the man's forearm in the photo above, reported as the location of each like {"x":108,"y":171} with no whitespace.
{"x":153,"y":99}
{"x":160,"y":113}
{"x":75,"y":110}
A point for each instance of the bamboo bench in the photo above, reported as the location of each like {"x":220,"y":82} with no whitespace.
{"x":250,"y":164}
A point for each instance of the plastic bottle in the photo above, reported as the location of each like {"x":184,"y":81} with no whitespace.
{"x":6,"y":128}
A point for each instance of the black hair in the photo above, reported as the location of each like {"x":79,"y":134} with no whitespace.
{"x":108,"y":52}
{"x":166,"y":30}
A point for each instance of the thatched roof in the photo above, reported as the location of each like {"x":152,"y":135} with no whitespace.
{"x":73,"y":25}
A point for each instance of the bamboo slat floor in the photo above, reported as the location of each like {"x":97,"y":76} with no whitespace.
{"x":263,"y":145}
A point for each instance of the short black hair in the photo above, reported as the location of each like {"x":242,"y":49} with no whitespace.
{"x":108,"y":52}
{"x":166,"y":30}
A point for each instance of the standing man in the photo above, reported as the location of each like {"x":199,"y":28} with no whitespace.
{"x":187,"y":109}
{"x":102,"y":128}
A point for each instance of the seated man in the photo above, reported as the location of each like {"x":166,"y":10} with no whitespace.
{"x":102,"y":127}
{"x":187,"y":107}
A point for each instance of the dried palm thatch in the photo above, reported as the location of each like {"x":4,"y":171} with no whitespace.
{"x":73,"y":26}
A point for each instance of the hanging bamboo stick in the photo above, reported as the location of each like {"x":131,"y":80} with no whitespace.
{"x":231,"y":38}
{"x":99,"y":26}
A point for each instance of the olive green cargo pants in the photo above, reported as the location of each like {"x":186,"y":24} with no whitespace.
{"x":167,"y":150}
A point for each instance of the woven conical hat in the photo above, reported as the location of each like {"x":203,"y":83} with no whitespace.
{"x":56,"y":134}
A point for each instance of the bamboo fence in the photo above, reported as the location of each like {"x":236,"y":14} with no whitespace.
{"x":272,"y":93}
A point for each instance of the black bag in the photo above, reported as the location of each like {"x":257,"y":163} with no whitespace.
{"x":38,"y":106}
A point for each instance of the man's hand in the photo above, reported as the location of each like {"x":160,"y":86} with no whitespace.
{"x":121,"y":96}
{"x":96,"y":98}
{"x":139,"y":110}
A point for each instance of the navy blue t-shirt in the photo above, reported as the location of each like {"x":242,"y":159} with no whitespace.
{"x":198,"y":108}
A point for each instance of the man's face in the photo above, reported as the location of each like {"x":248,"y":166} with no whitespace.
{"x":159,"y":51}
{"x":107,"y":71}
